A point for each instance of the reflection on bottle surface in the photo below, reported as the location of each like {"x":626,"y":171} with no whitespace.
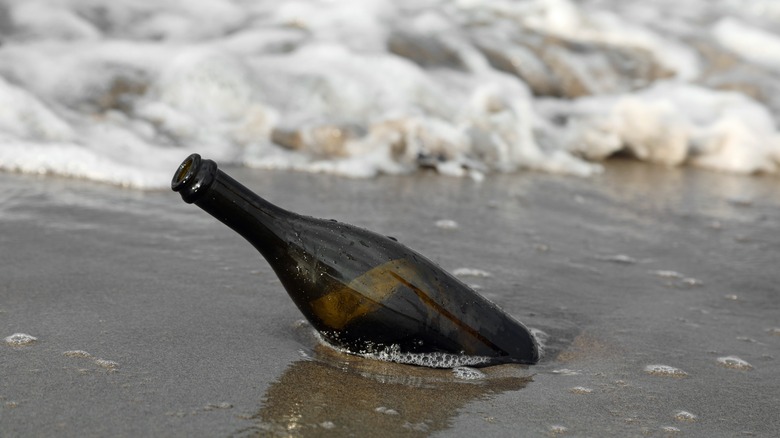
{"x":334,"y":396}
{"x":365,"y":293}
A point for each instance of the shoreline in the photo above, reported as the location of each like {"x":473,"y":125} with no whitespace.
{"x":641,"y":266}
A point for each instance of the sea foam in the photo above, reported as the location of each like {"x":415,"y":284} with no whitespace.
{"x":360,"y":88}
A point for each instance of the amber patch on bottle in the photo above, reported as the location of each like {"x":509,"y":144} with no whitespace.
{"x":364,"y":294}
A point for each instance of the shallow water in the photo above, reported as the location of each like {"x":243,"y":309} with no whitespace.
{"x":152,"y":318}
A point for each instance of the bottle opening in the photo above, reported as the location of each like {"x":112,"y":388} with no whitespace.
{"x":185,"y":171}
{"x":193,"y":177}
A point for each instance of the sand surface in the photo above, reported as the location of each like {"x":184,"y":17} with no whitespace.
{"x":153,"y":319}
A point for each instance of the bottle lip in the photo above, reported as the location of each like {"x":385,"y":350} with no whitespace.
{"x":193,"y":177}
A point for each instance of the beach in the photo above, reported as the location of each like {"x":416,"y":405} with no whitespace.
{"x":653,"y":289}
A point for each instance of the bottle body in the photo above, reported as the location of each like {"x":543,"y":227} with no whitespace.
{"x":363,"y":292}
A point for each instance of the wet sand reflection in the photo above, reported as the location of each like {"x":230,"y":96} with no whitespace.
{"x":340,"y":395}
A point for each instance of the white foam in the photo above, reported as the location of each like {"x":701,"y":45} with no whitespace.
{"x":665,"y":371}
{"x":749,"y":42}
{"x":685,"y":416}
{"x":107,"y":364}
{"x":140,"y":85}
{"x":394,"y":354}
{"x":20,"y":340}
{"x":447,"y":224}
{"x":580,"y":390}
{"x":77,"y":353}
{"x":558,"y":429}
{"x":466,"y":373}
{"x":734,"y":362}
{"x":471,"y":272}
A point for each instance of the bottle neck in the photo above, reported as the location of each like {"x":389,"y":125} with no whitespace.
{"x":200,"y":182}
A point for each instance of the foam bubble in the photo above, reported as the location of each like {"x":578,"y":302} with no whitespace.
{"x":76,"y":353}
{"x":386,"y":410}
{"x":471,"y":272}
{"x":580,"y":390}
{"x":394,"y":354}
{"x":432,"y":360}
{"x":619,"y":258}
{"x":665,"y":371}
{"x":541,"y":339}
{"x":557,"y":429}
{"x":670,"y":429}
{"x":20,"y":340}
{"x":734,"y":362}
{"x":107,"y":364}
{"x":685,"y":416}
{"x":668,"y":274}
{"x":447,"y":224}
{"x":466,"y":373}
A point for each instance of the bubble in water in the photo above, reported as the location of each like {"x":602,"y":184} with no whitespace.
{"x":386,"y":410}
{"x":685,"y":416}
{"x":394,"y":354}
{"x":466,"y":373}
{"x":76,"y":353}
{"x":665,"y":371}
{"x":734,"y":362}
{"x":471,"y":272}
{"x":107,"y":364}
{"x":689,"y":281}
{"x":622,"y":259}
{"x":580,"y":390}
{"x":447,"y":224}
{"x":668,"y":274}
{"x":557,"y":429}
{"x":20,"y":340}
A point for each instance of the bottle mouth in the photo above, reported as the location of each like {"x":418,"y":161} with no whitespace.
{"x":193,"y":178}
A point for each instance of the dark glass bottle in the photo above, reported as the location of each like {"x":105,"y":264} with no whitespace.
{"x":364,"y":292}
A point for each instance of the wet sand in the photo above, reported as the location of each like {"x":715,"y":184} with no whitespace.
{"x":186,"y":332}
